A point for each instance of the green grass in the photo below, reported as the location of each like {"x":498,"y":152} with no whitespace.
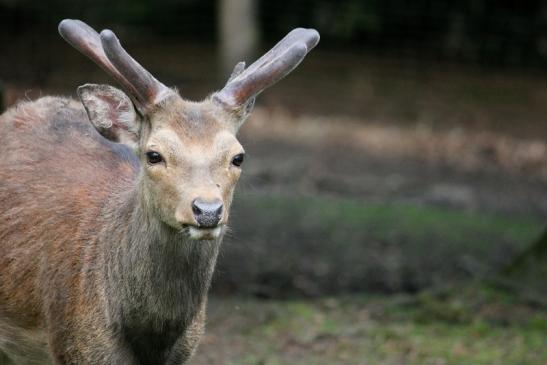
{"x":317,"y":245}
{"x":464,"y":325}
{"x":390,"y":221}
{"x":359,"y":245}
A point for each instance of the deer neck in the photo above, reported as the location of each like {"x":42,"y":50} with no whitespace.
{"x":154,"y":271}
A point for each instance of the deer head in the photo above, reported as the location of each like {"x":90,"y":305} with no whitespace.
{"x":190,"y":156}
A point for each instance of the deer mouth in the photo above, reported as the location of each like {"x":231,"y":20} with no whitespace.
{"x":203,"y":233}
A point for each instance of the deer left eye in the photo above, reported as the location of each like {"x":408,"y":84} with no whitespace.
{"x":153,"y":157}
{"x":237,"y":160}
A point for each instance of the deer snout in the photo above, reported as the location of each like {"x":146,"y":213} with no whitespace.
{"x":207,"y":213}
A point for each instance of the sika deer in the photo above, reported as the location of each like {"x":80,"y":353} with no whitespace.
{"x":109,"y":230}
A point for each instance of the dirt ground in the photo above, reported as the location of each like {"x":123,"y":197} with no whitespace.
{"x":459,"y":168}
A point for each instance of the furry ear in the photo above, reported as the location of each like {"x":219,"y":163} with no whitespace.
{"x":111,"y":112}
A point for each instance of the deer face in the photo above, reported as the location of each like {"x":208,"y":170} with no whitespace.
{"x":192,"y":162}
{"x":190,"y":157}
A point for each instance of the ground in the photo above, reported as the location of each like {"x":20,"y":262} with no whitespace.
{"x":473,"y":324}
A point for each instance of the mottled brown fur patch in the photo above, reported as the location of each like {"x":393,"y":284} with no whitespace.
{"x":52,"y":189}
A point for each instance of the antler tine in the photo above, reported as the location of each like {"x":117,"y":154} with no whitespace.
{"x":310,"y":37}
{"x":143,"y":88}
{"x":86,"y":40}
{"x":149,"y":90}
{"x":268,"y":69}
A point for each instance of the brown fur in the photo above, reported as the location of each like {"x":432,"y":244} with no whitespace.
{"x":84,"y":258}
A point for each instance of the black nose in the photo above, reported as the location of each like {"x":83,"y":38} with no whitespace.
{"x":207,"y":213}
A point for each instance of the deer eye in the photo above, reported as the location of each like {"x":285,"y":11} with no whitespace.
{"x":153,"y":157}
{"x":237,"y":160}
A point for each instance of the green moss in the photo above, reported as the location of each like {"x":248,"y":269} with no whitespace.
{"x":286,"y":245}
{"x":344,"y":218}
{"x":485,"y":326}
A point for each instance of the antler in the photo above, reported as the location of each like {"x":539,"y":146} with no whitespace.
{"x":106,"y":51}
{"x":245,"y":84}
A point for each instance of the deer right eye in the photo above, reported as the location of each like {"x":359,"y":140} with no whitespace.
{"x":237,"y":160}
{"x":153,"y":157}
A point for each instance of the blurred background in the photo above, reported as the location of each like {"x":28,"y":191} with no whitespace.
{"x":393,"y":204}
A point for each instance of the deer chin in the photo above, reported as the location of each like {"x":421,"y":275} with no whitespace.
{"x":197,"y":233}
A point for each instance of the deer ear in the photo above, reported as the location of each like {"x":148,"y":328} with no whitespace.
{"x":111,"y":112}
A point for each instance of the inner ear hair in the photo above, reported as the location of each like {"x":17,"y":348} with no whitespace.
{"x":111,"y":112}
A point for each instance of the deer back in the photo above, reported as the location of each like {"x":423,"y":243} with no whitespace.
{"x":57,"y":174}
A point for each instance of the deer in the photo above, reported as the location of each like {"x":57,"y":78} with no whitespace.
{"x":113,"y":207}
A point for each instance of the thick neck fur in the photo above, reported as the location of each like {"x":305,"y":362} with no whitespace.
{"x":155,"y":275}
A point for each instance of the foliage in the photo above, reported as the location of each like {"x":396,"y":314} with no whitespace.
{"x":485,"y":31}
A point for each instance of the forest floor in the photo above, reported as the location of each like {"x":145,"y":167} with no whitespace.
{"x":471,"y":324}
